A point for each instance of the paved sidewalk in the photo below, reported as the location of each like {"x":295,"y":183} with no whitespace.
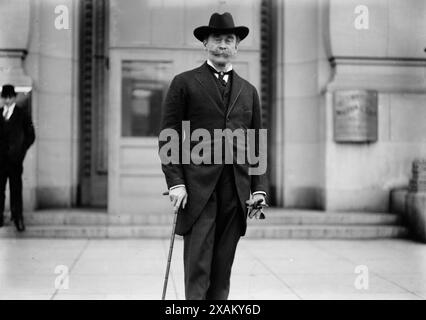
{"x":263,"y":269}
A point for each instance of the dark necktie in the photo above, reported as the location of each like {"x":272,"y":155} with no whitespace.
{"x":221,"y":74}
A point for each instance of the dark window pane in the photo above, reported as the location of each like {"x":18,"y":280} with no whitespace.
{"x":144,"y":85}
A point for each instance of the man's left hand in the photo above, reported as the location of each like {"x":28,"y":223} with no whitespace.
{"x":258,"y":196}
{"x":257,"y":211}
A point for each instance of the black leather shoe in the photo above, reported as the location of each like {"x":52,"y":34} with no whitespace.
{"x":1,"y":221}
{"x":19,"y":223}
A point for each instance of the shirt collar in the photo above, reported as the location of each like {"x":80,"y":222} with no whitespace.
{"x":229,"y":68}
{"x":11,"y":107}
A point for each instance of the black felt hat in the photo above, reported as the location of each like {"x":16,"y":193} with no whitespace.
{"x":8,"y":91}
{"x":220,"y":23}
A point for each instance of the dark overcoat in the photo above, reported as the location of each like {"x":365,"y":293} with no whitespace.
{"x":194,"y":96}
{"x":16,"y":136}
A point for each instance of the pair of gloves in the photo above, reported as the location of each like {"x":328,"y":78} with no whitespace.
{"x":255,"y":208}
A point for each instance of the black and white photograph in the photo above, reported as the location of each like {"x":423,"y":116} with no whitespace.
{"x":215,"y":150}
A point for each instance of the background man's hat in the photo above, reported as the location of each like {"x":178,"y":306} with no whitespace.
{"x":220,"y":23}
{"x":8,"y":91}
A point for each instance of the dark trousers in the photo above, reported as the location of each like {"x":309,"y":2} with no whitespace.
{"x":13,"y":172}
{"x":209,"y":247}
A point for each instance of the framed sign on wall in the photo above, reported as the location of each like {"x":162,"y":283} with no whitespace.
{"x":355,"y":116}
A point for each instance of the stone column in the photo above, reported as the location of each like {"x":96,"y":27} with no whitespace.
{"x":300,"y":71}
{"x":14,"y":32}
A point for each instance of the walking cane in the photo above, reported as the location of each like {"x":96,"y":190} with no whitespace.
{"x":169,"y":259}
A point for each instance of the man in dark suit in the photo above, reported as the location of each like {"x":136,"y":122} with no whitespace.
{"x":212,"y":195}
{"x":16,"y":136}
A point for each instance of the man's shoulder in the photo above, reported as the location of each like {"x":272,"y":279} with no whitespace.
{"x":21,"y":112}
{"x":189,"y":74}
{"x":21,"y":108}
{"x":247,"y":84}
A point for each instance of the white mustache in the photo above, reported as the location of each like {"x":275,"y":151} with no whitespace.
{"x":221,"y":53}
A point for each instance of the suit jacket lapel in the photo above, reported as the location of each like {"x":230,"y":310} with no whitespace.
{"x":206,"y":80}
{"x":12,"y":116}
{"x":237,"y":87}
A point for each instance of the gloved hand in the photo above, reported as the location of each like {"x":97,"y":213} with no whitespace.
{"x":255,"y":206}
{"x":178,"y":196}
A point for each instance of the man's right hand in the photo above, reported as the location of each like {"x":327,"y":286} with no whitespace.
{"x":178,"y":196}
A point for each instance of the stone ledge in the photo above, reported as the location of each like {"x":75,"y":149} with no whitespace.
{"x":411,"y":206}
{"x":397,"y":201}
{"x":415,"y":204}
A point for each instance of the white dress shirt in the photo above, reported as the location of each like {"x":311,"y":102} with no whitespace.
{"x":226,"y":76}
{"x":8,"y":111}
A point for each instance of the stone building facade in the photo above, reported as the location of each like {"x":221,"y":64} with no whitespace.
{"x":94,"y":73}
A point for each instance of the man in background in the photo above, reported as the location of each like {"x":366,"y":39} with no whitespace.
{"x":16,"y":137}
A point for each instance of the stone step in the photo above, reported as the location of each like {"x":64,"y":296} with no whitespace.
{"x":328,"y":232}
{"x":253,"y":231}
{"x":274,"y":216}
{"x":311,"y":217}
{"x":280,"y":223}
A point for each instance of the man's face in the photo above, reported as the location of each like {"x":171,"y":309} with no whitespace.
{"x":221,"y":48}
{"x":8,"y":101}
